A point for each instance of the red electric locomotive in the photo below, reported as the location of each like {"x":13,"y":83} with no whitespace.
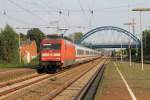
{"x":57,"y":52}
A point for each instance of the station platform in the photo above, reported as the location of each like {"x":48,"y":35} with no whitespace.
{"x":124,"y":82}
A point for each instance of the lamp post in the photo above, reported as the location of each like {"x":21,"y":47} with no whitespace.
{"x":140,"y":10}
{"x":130,"y":24}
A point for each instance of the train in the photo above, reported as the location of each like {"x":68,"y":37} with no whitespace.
{"x":57,"y":52}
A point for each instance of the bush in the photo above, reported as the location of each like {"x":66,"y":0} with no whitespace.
{"x":35,"y":61}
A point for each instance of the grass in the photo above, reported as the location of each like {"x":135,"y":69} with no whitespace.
{"x":33,"y":63}
{"x":15,"y":65}
{"x":134,"y":74}
{"x":138,"y":80}
{"x":147,"y":61}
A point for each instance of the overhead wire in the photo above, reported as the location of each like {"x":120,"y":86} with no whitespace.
{"x":71,"y":10}
{"x":48,"y":6}
{"x":45,"y":5}
{"x":22,"y":21}
{"x":65,"y":20}
{"x":91,"y":14}
{"x":16,"y":19}
{"x":28,"y":11}
{"x":82,"y":9}
{"x":36,"y":27}
{"x":85,"y":10}
{"x":57,"y":11}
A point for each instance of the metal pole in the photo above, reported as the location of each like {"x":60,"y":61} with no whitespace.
{"x":130,"y":53}
{"x":130,"y":48}
{"x":140,"y":10}
{"x":121,"y":48}
{"x":130,"y":56}
{"x":19,"y":50}
{"x":133,"y":26}
{"x":141,"y":40}
{"x":91,"y":17}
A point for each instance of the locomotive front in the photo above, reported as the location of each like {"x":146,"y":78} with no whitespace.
{"x":50,"y":54}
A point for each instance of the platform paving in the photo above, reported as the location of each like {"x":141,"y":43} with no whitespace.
{"x":114,"y":88}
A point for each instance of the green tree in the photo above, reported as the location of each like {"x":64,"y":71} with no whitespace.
{"x":76,"y":36}
{"x":8,"y":45}
{"x":146,"y":44}
{"x":37,"y":35}
{"x":113,"y":54}
{"x":23,"y":37}
{"x":1,"y":54}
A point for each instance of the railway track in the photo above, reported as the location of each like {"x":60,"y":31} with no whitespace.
{"x":7,"y":83}
{"x":16,"y":73}
{"x":10,"y":91}
{"x":20,"y":84}
{"x":89,"y":90}
{"x":74,"y":85}
{"x":8,"y":71}
{"x":14,"y":85}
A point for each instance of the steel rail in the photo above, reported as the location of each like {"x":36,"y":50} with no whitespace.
{"x":88,"y":91}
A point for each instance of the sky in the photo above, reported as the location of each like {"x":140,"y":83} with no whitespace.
{"x":75,"y":14}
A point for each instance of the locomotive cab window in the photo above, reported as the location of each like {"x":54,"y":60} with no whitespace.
{"x":51,"y":46}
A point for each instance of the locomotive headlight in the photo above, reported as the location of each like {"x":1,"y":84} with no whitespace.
{"x":56,"y":54}
{"x":45,"y":54}
{"x":58,"y":63}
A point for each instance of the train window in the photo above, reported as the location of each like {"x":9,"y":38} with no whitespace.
{"x":51,"y":46}
{"x":87,"y":52}
{"x":80,"y":52}
{"x":90,"y":52}
{"x":55,"y":36}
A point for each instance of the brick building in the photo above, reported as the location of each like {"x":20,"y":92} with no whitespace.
{"x":28,"y":51}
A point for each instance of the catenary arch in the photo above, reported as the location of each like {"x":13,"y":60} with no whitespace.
{"x":89,"y":33}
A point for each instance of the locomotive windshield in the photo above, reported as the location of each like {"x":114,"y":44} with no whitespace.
{"x":51,"y":46}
